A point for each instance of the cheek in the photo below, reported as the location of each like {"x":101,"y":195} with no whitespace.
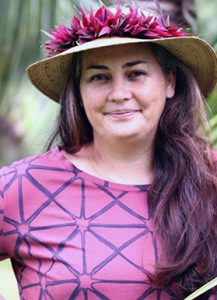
{"x":153,"y":97}
{"x":84,"y":92}
{"x":87,"y":100}
{"x":91,"y":107}
{"x":89,"y":112}
{"x":155,"y":87}
{"x":153,"y":104}
{"x":90,"y":96}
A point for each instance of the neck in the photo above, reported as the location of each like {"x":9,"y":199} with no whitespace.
{"x":122,"y":161}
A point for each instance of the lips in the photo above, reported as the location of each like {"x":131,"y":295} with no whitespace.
{"x":122,"y":113}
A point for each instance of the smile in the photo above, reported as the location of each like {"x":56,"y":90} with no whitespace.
{"x":122,"y":113}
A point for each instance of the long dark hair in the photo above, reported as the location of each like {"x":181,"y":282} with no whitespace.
{"x":183,"y":195}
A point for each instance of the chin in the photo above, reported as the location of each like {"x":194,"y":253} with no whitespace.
{"x":125,"y":135}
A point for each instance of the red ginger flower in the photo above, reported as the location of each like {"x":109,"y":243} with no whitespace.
{"x":105,"y":23}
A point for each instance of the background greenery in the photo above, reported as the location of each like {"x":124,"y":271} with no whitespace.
{"x":26,"y":116}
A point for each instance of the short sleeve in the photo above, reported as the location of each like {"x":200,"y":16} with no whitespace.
{"x":2,"y":252}
{"x":1,"y":208}
{"x":214,"y":156}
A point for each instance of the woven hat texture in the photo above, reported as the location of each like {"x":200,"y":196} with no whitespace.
{"x":50,"y":75}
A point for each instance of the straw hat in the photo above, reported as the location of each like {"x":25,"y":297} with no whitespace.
{"x":50,"y":75}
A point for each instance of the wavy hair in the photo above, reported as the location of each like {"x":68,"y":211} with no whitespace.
{"x":183,"y":195}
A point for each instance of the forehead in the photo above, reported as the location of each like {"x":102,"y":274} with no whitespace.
{"x":121,"y":53}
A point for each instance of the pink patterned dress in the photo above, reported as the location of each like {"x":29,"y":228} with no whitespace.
{"x":71,"y":235}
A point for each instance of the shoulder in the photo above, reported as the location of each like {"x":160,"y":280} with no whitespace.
{"x":50,"y":160}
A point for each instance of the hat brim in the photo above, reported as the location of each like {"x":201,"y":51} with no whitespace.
{"x":50,"y":75}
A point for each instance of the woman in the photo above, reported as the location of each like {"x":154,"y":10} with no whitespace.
{"x":125,"y":207}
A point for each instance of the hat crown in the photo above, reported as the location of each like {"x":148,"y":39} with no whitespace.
{"x":119,"y":26}
{"x":108,"y":22}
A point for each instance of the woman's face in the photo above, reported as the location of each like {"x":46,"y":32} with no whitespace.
{"x":124,"y":90}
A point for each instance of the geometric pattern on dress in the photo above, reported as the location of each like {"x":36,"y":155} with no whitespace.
{"x":71,"y":235}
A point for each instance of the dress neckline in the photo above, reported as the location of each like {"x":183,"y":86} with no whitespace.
{"x":94,"y":179}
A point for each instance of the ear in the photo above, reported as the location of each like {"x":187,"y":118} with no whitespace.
{"x":171,"y":84}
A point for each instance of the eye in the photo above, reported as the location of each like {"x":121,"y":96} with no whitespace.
{"x":136,"y":73}
{"x":99,"y":77}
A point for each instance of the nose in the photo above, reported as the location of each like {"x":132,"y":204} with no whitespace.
{"x":119,"y":90}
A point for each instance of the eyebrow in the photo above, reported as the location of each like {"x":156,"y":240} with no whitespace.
{"x":126,"y":65}
{"x":134,"y":63}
